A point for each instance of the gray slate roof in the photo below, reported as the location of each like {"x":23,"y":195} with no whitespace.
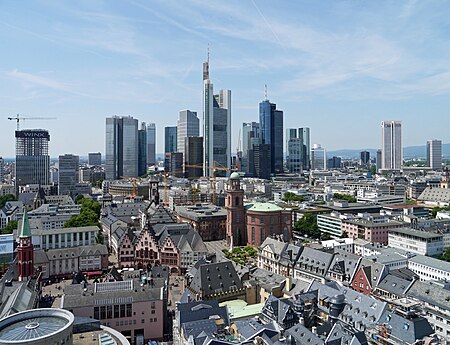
{"x":215,"y":277}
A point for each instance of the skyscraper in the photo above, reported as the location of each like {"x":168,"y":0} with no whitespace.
{"x":170,"y":139}
{"x":271,"y":127}
{"x":318,"y":158}
{"x":142,"y":150}
{"x":32,"y":158}
{"x":193,"y":155}
{"x":305,"y":137}
{"x":188,"y":125}
{"x":249,"y":130}
{"x":94,"y":158}
{"x":151,"y":144}
{"x":364,"y":157}
{"x":68,"y":172}
{"x":379,"y":159}
{"x":121,"y":147}
{"x":217,"y":125}
{"x":392,"y":150}
{"x":434,"y":154}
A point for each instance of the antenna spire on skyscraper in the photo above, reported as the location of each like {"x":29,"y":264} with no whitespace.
{"x":265,"y":92}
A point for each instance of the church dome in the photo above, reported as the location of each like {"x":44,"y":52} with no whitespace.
{"x":235,"y":176}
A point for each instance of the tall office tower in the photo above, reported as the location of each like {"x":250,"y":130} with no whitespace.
{"x":121,"y":147}
{"x":304,"y":135}
{"x":434,"y":154}
{"x":364,"y":157}
{"x":151,"y":144}
{"x":391,"y":149}
{"x":271,"y":124}
{"x":94,"y":158}
{"x":69,"y":167}
{"x":334,"y":163}
{"x":295,"y":149}
{"x":173,"y":162}
{"x":379,"y":159}
{"x":193,"y":155}
{"x":318,"y":158}
{"x":249,"y":130}
{"x":261,"y":158}
{"x":32,"y":158}
{"x":142,"y":149}
{"x":170,"y":139}
{"x":216,"y":126}
{"x":2,"y":169}
{"x":188,"y":125}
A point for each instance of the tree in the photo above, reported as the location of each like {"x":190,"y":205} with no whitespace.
{"x":307,"y":225}
{"x":10,"y":227}
{"x":344,"y":234}
{"x":345,"y":197}
{"x":5,"y":198}
{"x":89,"y":214}
{"x":373,"y":170}
{"x":289,"y":197}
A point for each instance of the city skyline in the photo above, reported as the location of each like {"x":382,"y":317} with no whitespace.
{"x":330,"y":68}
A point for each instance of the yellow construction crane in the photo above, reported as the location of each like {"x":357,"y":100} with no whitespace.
{"x":134,"y":179}
{"x":214,"y":168}
{"x":19,"y":118}
{"x":166,"y":176}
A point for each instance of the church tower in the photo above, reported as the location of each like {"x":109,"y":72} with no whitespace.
{"x":25,"y":254}
{"x":234,"y":204}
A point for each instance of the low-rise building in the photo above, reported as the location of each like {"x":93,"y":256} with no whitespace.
{"x":60,"y":263}
{"x":135,"y":309}
{"x":370,"y":230}
{"x":416,"y":241}
{"x":429,"y":268}
{"x":435,"y":298}
{"x":207,"y":219}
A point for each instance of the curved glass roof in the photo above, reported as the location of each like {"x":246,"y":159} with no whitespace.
{"x":32,"y":328}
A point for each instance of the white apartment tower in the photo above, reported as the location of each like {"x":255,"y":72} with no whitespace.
{"x":391,"y":146}
{"x":434,"y":154}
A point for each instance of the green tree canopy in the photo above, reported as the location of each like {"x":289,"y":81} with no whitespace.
{"x":89,"y":214}
{"x":10,"y":227}
{"x":345,"y":197}
{"x":5,"y":198}
{"x":289,"y":197}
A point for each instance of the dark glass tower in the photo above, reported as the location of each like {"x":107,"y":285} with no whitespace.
{"x":271,"y":129}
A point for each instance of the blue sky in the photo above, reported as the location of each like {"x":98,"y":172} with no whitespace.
{"x":338,"y":67}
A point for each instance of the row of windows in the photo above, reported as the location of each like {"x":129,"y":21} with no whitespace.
{"x":113,"y":311}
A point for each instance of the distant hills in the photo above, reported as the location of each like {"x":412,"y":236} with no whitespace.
{"x":408,"y":152}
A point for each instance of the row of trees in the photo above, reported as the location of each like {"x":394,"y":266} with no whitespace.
{"x":345,"y":197}
{"x":291,"y":197}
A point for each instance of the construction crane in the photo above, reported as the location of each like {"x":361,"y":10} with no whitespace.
{"x":19,"y":118}
{"x":166,"y":176}
{"x":134,"y":179}
{"x":214,"y":168}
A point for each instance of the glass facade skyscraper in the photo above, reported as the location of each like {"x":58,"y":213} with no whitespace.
{"x":170,"y":139}
{"x":68,"y":174}
{"x":142,"y":150}
{"x":271,"y":129}
{"x":217,"y":126}
{"x":188,"y":125}
{"x":151,"y":144}
{"x":32,"y":158}
{"x":121,"y":147}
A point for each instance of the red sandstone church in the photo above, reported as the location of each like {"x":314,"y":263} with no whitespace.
{"x":252,"y":223}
